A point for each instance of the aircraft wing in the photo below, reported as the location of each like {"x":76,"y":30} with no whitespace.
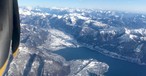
{"x":9,"y":31}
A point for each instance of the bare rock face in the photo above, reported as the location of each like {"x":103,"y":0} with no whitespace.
{"x":43,"y":63}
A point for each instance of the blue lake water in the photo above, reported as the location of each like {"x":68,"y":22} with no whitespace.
{"x":116,"y":67}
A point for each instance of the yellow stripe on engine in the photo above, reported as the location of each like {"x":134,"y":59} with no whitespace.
{"x":15,"y":53}
{"x":2,"y":70}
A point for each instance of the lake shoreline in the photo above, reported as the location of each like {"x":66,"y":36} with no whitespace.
{"x":112,"y":54}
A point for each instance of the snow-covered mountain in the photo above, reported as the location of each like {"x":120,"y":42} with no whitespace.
{"x":118,"y":34}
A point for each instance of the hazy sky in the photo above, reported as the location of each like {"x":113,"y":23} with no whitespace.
{"x":130,"y":5}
